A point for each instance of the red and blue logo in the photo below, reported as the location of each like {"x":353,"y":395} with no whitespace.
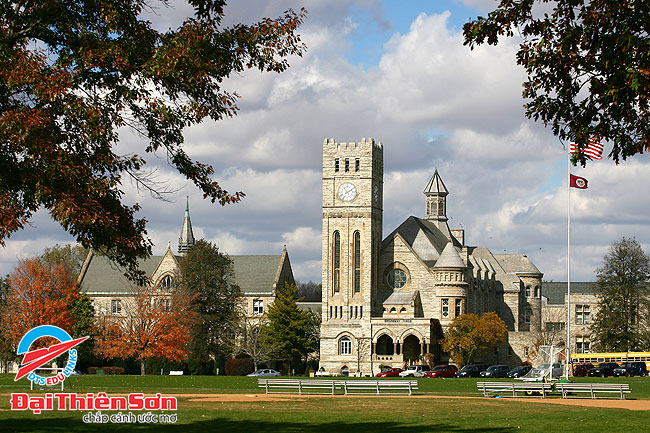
{"x":36,"y":358}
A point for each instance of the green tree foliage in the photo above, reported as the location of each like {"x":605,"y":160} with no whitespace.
{"x":208,"y":276}
{"x":83,"y":313}
{"x":71,"y":257}
{"x":310,"y":291}
{"x":588,"y":66}
{"x":7,"y":352}
{"x":72,"y":73}
{"x":621,"y":323}
{"x":470,"y":336}
{"x":289,"y":327}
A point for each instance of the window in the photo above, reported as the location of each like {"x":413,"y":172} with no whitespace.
{"x":347,"y":165}
{"x":258,"y":306}
{"x":356,"y":164}
{"x":166,"y":282}
{"x":583,"y":344}
{"x":397,"y":278}
{"x":336,"y":165}
{"x":330,"y":311}
{"x":341,"y":311}
{"x":164,"y":304}
{"x":356,"y":311}
{"x":537,"y":291}
{"x":441,"y":207}
{"x":583,"y":315}
{"x":345,"y":346}
{"x":555,"y":326}
{"x":458,"y":310}
{"x":361,"y":312}
{"x":528,"y":291}
{"x":351,"y":309}
{"x":116,"y":306}
{"x":357,"y":262}
{"x":445,"y":308}
{"x":527,"y":314}
{"x":526,"y":351}
{"x":337,"y":261}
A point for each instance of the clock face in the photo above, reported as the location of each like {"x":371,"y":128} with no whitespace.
{"x":375,"y":194}
{"x":347,"y":192}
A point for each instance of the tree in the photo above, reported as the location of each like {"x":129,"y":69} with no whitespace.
{"x":252,"y":338}
{"x":309,"y":291}
{"x":38,"y":295}
{"x":153,"y":324}
{"x":208,"y":275}
{"x":552,"y":331}
{"x":588,"y":67}
{"x":73,"y":73}
{"x":470,"y":336}
{"x":7,"y":350}
{"x":83,"y":314}
{"x":623,"y":295}
{"x":72,"y":257}
{"x":289,"y":326}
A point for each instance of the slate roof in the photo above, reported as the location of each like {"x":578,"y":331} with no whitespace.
{"x":426,"y":239}
{"x":400,"y":298}
{"x":104,"y":277}
{"x":435,"y":185}
{"x":450,"y":258}
{"x":517,"y":263}
{"x":256,"y":275}
{"x":556,"y":291}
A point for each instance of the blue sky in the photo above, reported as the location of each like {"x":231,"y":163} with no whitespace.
{"x":396,"y":71}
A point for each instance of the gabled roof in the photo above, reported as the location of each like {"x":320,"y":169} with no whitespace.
{"x":435,"y":185}
{"x":101,"y":276}
{"x":517,"y":263}
{"x":450,"y":258}
{"x":257,"y":275}
{"x":556,"y":291}
{"x":401,"y":298}
{"x":425,"y":238}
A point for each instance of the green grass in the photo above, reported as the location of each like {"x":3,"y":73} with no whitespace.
{"x":322,"y":414}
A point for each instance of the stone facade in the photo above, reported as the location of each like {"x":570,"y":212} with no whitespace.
{"x":386,"y":301}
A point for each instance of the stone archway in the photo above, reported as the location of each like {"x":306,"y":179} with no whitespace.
{"x":411,"y":349}
{"x":385,"y":345}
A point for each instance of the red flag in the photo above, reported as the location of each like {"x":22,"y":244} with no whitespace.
{"x":578,"y":182}
{"x":593,"y":149}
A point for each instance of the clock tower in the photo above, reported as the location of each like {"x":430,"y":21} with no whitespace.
{"x":352,"y":234}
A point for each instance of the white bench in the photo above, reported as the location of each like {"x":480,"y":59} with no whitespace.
{"x":346,"y":387}
{"x":593,"y":389}
{"x":176,"y":373}
{"x":513,"y":389}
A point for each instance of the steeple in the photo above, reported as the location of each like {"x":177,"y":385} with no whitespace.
{"x":186,"y":241}
{"x":436,"y":199}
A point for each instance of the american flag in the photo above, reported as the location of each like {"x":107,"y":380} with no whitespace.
{"x":593,"y":149}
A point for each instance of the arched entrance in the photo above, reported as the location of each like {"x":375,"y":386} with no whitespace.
{"x":385,"y":345}
{"x":411,"y":349}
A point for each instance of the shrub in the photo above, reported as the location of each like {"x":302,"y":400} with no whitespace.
{"x":239,"y":367}
{"x":92,"y":370}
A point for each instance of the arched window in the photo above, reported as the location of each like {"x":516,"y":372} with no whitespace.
{"x":537,"y":291}
{"x":345,"y":346}
{"x":357,"y":262}
{"x":166,"y":282}
{"x":528,"y":291}
{"x":402,"y":310}
{"x":337,"y":262}
{"x":393,"y":310}
{"x":441,"y":207}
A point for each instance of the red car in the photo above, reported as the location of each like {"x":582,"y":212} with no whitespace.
{"x":442,"y":371}
{"x":389,"y":372}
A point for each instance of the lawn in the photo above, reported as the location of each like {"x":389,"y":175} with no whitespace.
{"x":324,"y":414}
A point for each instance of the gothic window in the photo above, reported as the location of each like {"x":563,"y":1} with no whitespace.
{"x":356,"y":311}
{"x":116,"y":306}
{"x":336,"y":312}
{"x":347,"y":164}
{"x":166,"y":282}
{"x":258,"y":306}
{"x":337,"y":261}
{"x":351,"y":309}
{"x":583,"y":315}
{"x":336,"y":165}
{"x":445,"y":308}
{"x":397,"y":278}
{"x":528,"y":291}
{"x":458,"y":310}
{"x":537,"y":291}
{"x":441,"y":207}
{"x":361,"y":312}
{"x":341,"y":312}
{"x":345,"y":346}
{"x":357,"y":262}
{"x":330,"y":311}
{"x":402,"y":310}
{"x":356,"y":164}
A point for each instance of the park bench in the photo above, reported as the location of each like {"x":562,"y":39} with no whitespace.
{"x":320,"y":386}
{"x":593,"y":389}
{"x":514,"y":389}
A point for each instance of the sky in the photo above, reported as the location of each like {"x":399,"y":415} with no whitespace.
{"x":396,"y":71}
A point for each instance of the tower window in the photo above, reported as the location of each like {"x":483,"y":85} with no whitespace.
{"x":357,"y":262}
{"x":356,"y":164}
{"x":330,"y":311}
{"x":337,"y":262}
{"x":441,"y":207}
{"x":459,"y":304}
{"x":361,"y":312}
{"x":445,"y":308}
{"x":347,"y":165}
{"x":336,"y":165}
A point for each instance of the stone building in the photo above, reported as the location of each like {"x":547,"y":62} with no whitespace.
{"x":258,"y":276}
{"x":387,"y":300}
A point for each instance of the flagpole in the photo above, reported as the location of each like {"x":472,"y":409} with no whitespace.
{"x":568,"y":270}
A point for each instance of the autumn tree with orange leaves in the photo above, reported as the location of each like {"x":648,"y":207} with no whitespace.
{"x":73,"y":73}
{"x":470,"y":336}
{"x":38,"y":294}
{"x":151,"y":324}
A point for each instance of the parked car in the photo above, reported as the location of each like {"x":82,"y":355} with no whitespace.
{"x":603,"y":369}
{"x":555,"y":370}
{"x":500,"y":370}
{"x":631,"y":369}
{"x":519,"y":371}
{"x":389,"y":372}
{"x":471,"y":370}
{"x":322,"y":373}
{"x":442,"y":371}
{"x":265,"y":372}
{"x":582,"y":369}
{"x":414,"y":371}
